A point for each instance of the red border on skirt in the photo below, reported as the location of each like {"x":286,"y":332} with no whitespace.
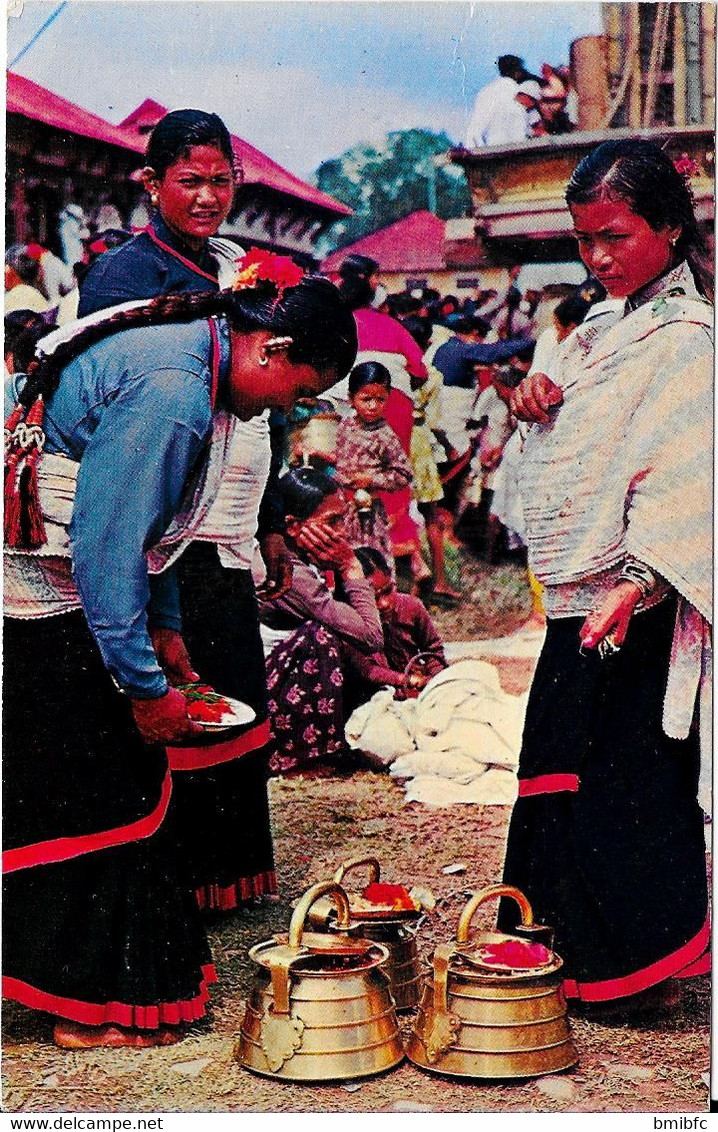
{"x":119,"y":1013}
{"x":196,"y":758}
{"x":548,"y":784}
{"x":63,"y":848}
{"x":701,"y":967}
{"x":678,"y":964}
{"x":219,"y":898}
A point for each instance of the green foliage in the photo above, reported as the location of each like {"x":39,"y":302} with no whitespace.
{"x":387,"y":182}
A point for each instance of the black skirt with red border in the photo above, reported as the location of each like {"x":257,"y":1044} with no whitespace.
{"x":606,"y":837}
{"x":98,"y":927}
{"x":220,"y":809}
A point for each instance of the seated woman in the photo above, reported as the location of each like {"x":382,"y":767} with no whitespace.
{"x":330,"y":601}
{"x":409,"y":635}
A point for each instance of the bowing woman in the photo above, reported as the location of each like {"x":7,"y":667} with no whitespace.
{"x":606,"y":838}
{"x":99,"y":929}
{"x":220,"y":795}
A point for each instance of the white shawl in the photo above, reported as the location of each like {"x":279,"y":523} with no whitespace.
{"x":624,"y":468}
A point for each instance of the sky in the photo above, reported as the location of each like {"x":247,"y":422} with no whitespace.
{"x":302,"y":80}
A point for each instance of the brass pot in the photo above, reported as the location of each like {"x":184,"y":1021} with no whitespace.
{"x":395,"y":930}
{"x":477,"y":1021}
{"x":320,"y":1008}
{"x":315,"y":437}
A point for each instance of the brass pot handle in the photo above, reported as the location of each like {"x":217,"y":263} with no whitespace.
{"x":527,"y":916}
{"x":323,"y":888}
{"x":282,"y":958}
{"x":354,"y":863}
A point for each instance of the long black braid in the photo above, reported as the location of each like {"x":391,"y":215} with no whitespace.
{"x":312,"y":313}
{"x":43,"y":373}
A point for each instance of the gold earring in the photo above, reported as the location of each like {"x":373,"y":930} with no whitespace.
{"x":264,"y":358}
{"x":154,"y":199}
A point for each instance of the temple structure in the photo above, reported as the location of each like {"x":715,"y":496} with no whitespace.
{"x":66,"y":165}
{"x":650,"y":74}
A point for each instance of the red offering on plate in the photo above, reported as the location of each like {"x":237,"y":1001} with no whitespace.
{"x":514,"y":954}
{"x":205,"y":711}
{"x":393,"y":896}
{"x":211,"y":710}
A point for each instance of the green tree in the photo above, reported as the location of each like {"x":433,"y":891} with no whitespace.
{"x":407,"y":172}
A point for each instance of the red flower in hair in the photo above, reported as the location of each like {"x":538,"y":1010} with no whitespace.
{"x":258,"y":266}
{"x":686,"y":167}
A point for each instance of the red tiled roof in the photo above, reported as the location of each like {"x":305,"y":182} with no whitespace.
{"x":258,"y":168}
{"x":33,"y":101}
{"x":413,"y":244}
{"x":144,"y":116}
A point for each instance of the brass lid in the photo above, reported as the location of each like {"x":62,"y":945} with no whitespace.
{"x":344,"y":955}
{"x":297,"y":946}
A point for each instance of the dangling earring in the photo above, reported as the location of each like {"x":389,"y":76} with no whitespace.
{"x":154,"y":199}
{"x":274,"y":346}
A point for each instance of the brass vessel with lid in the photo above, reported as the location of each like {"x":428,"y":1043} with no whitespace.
{"x":483,"y":1018}
{"x":320,"y":1008}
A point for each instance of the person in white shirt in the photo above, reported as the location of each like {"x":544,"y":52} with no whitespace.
{"x":498,"y":117}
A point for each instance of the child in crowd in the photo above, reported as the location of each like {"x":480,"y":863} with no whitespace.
{"x":371,"y":463}
{"x":409,"y":636}
{"x":330,"y":604}
{"x":428,"y":490}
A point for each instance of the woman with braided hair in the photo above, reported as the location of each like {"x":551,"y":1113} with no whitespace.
{"x":99,"y":930}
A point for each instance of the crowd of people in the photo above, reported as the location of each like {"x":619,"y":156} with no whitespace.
{"x":173,"y":524}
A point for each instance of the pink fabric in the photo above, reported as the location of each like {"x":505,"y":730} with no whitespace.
{"x":404,"y":532}
{"x":399,"y":415}
{"x":379,"y":331}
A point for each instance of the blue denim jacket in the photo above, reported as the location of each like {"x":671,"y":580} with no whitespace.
{"x":134,"y":410}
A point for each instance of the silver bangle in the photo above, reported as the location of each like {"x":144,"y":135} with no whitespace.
{"x":641,"y":576}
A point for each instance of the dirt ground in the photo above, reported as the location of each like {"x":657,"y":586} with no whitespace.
{"x":656,"y":1065}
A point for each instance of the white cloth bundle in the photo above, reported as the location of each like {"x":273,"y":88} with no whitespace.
{"x":458,"y":741}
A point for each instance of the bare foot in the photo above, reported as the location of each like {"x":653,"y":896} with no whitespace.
{"x":73,"y":1035}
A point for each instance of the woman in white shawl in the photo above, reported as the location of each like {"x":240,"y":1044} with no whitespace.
{"x":606,"y":837}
